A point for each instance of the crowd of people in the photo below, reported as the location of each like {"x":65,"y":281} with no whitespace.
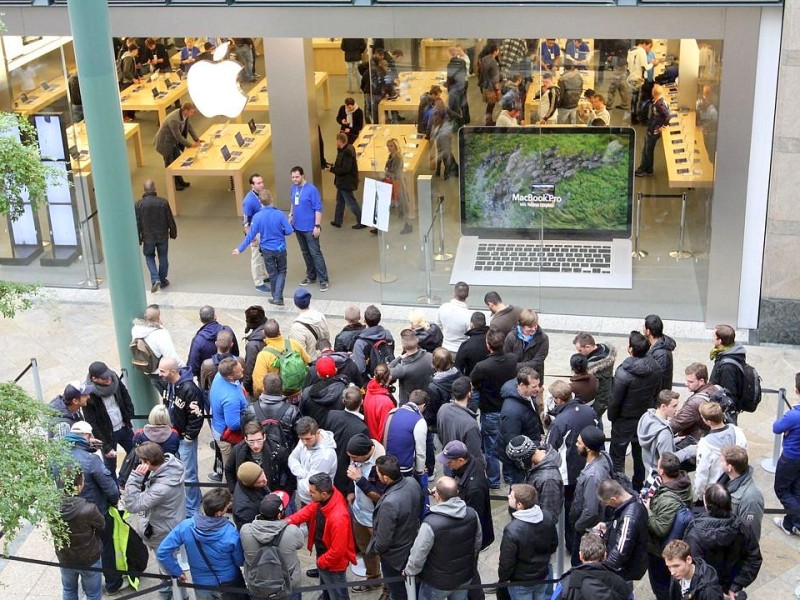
{"x":331,"y":442}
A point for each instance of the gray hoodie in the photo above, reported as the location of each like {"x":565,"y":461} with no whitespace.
{"x":455,"y":507}
{"x":655,"y":438}
{"x":305,"y":462}
{"x":160,"y":499}
{"x":529,"y":515}
{"x":260,"y":533}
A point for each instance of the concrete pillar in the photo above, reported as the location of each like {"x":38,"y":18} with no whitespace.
{"x":293,"y":112}
{"x":94,"y":56}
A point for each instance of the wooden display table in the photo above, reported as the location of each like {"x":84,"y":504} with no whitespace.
{"x":433,"y":54}
{"x":209,"y":162}
{"x":372,"y":154}
{"x":258,"y":97}
{"x":40,"y":98}
{"x":139,"y":96}
{"x":685,"y":153}
{"x":76,"y":136}
{"x":412,"y":85}
{"x":328,"y":56}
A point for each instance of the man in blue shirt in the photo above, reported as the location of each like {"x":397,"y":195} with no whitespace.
{"x":787,"y":473}
{"x":306,"y":218}
{"x":550,"y":55}
{"x":271,"y":226}
{"x":250,"y":206}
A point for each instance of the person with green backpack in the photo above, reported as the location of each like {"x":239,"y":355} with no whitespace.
{"x":281,"y":356}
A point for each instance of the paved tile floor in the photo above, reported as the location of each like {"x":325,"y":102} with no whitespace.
{"x":71,"y":328}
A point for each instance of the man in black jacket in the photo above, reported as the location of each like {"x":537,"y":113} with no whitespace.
{"x":346,"y":338}
{"x":626,"y":534}
{"x":317,"y":400}
{"x":592,"y":579}
{"x":692,"y":578}
{"x":528,"y":541}
{"x":636,"y":386}
{"x":519,"y":416}
{"x":474,"y":350}
{"x":395,"y":522}
{"x":273,"y":407}
{"x":251,"y":488}
{"x":488,"y":378}
{"x":156,"y":227}
{"x":542,"y":467}
{"x":729,"y":359}
{"x":345,"y":425}
{"x":345,"y":171}
{"x":109,"y":412}
{"x":258,"y":449}
{"x":184,"y":400}
{"x":661,"y":347}
{"x":345,"y":365}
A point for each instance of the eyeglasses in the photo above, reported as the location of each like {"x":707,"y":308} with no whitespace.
{"x":255,"y":441}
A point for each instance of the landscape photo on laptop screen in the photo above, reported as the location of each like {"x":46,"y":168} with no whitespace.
{"x":510,"y":176}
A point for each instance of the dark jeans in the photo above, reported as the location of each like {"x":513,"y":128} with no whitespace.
{"x":149,"y":249}
{"x":122,"y":437}
{"x":569,"y":529}
{"x":108,"y":556}
{"x":490,"y":436}
{"x":623,"y":432}
{"x":312,"y":255}
{"x":275,"y":262}
{"x":397,"y":589}
{"x":787,"y":489}
{"x":327,"y":577}
{"x":172,"y":157}
{"x":659,"y":576}
{"x":648,"y":151}
{"x":430,"y":452}
{"x":342,"y":197}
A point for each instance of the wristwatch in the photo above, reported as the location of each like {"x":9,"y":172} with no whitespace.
{"x":317,"y":227}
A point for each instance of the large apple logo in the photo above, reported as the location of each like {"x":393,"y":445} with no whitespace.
{"x":213,"y":86}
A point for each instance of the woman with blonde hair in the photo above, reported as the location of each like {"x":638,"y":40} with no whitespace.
{"x":429,"y":335}
{"x":159,"y":430}
{"x":393,"y":174}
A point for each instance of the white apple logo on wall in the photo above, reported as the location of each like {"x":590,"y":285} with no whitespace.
{"x":213,"y":86}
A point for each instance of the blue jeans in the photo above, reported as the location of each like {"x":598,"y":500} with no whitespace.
{"x":149,"y":250}
{"x":528,"y":592}
{"x":122,"y":437}
{"x":397,"y":589}
{"x":328,"y":577}
{"x":275,"y":262}
{"x":91,"y":582}
{"x":245,"y":53}
{"x":787,"y":489}
{"x":490,"y":435}
{"x":312,"y":255}
{"x":342,"y":197}
{"x":188,"y":456}
{"x":426,"y":592}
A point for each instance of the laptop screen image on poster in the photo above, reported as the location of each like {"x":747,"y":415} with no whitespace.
{"x":546,"y":206}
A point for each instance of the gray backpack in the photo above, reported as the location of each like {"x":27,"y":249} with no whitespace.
{"x":269,"y":577}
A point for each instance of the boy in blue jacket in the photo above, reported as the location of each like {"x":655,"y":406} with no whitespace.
{"x":787,"y":473}
{"x":212,"y":546}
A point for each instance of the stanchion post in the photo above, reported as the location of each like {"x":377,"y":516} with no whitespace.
{"x":37,"y":382}
{"x":441,"y":255}
{"x":680,"y":252}
{"x":771,"y":464}
{"x":637,"y":253}
{"x":559,"y":567}
{"x":428,"y":298}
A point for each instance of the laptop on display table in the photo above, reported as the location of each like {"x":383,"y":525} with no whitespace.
{"x":547,"y":207}
{"x":157,"y":94}
{"x":255,"y":129}
{"x":244,"y":142}
{"x":230,"y":157}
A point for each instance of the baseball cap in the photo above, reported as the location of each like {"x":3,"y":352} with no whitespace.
{"x":453,"y":450}
{"x":302,"y":298}
{"x":76,"y":389}
{"x":326,"y":367}
{"x":81,"y":428}
{"x":272,"y":504}
{"x":100,"y":370}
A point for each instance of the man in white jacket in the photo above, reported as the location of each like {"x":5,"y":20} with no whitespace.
{"x":314,"y":453}
{"x":152,"y":331}
{"x":709,"y":448}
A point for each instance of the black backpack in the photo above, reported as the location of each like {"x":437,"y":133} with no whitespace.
{"x":377,"y":352}
{"x":269,"y":577}
{"x":278,"y":444}
{"x":726,"y":403}
{"x":751,"y":385}
{"x":621,"y":478}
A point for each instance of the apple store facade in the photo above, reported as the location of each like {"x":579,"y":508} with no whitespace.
{"x":689,"y":238}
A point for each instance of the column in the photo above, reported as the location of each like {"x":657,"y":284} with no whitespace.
{"x":293,"y":112}
{"x":95,"y":60}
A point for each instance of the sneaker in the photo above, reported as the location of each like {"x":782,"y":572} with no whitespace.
{"x":407,"y":229}
{"x":215,"y":477}
{"x":307,"y":281}
{"x":365,"y":588}
{"x":335,"y":224}
{"x":323,"y":287}
{"x":779,"y":523}
{"x":155,"y":287}
{"x":263,"y":289}
{"x":359,"y":226}
{"x":312,"y":573}
{"x":164,"y":283}
{"x":275,"y":302}
{"x":123,"y":585}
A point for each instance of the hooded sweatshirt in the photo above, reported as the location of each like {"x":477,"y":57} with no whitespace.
{"x":661,"y":350}
{"x":158,"y":338}
{"x":709,"y":448}
{"x":412,"y":372}
{"x":204,"y":345}
{"x":163,"y":435}
{"x":528,"y":541}
{"x":161,"y":499}
{"x":378,"y":403}
{"x":305,"y":462}
{"x":220,"y":542}
{"x":363,"y":343}
{"x":547,"y":478}
{"x":65,"y":419}
{"x":664,"y":506}
{"x":261,"y":533}
{"x":655,"y":438}
{"x":319,"y":399}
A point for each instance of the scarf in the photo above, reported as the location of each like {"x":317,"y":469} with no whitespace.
{"x":715,"y":352}
{"x":349,"y":114}
{"x":107,"y":390}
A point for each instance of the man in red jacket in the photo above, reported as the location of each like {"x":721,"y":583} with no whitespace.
{"x":330,"y":532}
